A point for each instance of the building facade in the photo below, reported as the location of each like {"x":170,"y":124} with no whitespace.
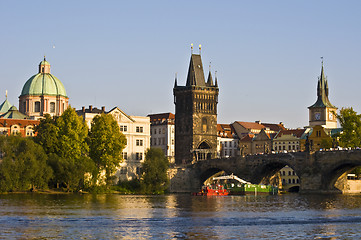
{"x":162,"y":133}
{"x":43,"y":94}
{"x":195,"y":115}
{"x":228,"y":142}
{"x":137,"y":132}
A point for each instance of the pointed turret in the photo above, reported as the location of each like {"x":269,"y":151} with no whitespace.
{"x":216,"y":82}
{"x":195,"y":72}
{"x":210,"y":80}
{"x":6,"y":105}
{"x":175,"y":81}
{"x":322,"y":92}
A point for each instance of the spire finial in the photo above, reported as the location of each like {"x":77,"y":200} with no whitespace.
{"x":200,"y":48}
{"x":322,"y":61}
{"x":6,"y":94}
{"x":191,"y":48}
{"x":210,"y":64}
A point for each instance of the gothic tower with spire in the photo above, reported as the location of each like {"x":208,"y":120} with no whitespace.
{"x":322,"y":112}
{"x":195,"y":115}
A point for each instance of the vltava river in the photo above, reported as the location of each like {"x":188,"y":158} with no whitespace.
{"x":73,"y":216}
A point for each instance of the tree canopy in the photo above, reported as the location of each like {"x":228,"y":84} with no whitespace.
{"x":351,"y":128}
{"x":155,"y":179}
{"x":106,"y":144}
{"x":23,"y":165}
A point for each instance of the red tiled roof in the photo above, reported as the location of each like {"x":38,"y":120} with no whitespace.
{"x":251,"y":125}
{"x":274,"y":127}
{"x":22,"y":122}
{"x":161,"y":116}
{"x":247,"y":138}
{"x":295,"y":132}
{"x":227,"y":131}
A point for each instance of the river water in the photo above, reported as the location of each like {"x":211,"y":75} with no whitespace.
{"x":111,"y":216}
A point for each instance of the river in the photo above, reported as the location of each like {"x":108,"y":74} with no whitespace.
{"x":111,"y":216}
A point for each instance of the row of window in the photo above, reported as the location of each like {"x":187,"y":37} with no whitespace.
{"x":290,"y":173}
{"x":138,"y":156}
{"x":290,"y":147}
{"x":290,"y":181}
{"x":285,"y":142}
{"x":159,"y":141}
{"x":124,"y":170}
{"x":226,"y":144}
{"x":159,"y":131}
{"x":124,"y":128}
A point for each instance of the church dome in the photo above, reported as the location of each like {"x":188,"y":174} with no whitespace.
{"x":44,"y":83}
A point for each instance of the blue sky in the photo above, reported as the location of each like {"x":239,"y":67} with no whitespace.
{"x":126,"y":53}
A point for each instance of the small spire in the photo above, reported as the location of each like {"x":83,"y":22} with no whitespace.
{"x":6,"y":94}
{"x":215,"y":79}
{"x":175,"y":81}
{"x":200,"y":48}
{"x":191,"y":48}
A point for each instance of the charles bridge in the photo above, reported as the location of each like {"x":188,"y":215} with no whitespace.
{"x":318,"y":171}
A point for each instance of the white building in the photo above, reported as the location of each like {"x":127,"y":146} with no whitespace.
{"x":162,"y":133}
{"x":137,"y":132}
{"x":227,"y":141}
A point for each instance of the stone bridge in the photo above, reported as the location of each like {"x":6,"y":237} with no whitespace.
{"x":317,"y":171}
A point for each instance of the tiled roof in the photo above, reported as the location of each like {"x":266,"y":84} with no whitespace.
{"x":274,"y":127}
{"x":295,"y":132}
{"x":247,"y":138}
{"x":226,"y":131}
{"x":5,"y":122}
{"x":162,"y":118}
{"x":251,"y":125}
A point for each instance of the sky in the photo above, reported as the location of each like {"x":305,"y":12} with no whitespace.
{"x":267,"y":54}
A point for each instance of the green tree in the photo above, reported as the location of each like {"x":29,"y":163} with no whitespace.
{"x":23,"y":165}
{"x":326,"y":143}
{"x":47,"y":134}
{"x":351,"y":128}
{"x":155,"y":179}
{"x":64,"y":140}
{"x":106,"y":144}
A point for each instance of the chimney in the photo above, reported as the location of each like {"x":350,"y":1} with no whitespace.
{"x":103,"y":109}
{"x":90,"y":108}
{"x":83,"y":109}
{"x":259,"y":121}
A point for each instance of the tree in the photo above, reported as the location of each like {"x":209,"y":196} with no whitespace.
{"x":64,"y":140}
{"x":106,"y":144}
{"x":23,"y":165}
{"x":47,"y":134}
{"x":155,"y":179}
{"x":351,"y":124}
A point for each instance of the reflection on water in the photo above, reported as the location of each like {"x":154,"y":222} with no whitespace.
{"x":75,"y":216}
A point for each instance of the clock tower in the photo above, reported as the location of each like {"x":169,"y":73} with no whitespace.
{"x":322,"y":112}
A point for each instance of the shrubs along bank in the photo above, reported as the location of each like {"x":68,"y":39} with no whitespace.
{"x":66,"y":156}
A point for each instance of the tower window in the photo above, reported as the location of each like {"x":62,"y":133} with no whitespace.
{"x":204,"y":125}
{"x":37,"y":107}
{"x":52,"y":107}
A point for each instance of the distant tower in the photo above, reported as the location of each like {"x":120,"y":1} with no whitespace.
{"x":43,"y":94}
{"x":322,"y":112}
{"x":195,"y":115}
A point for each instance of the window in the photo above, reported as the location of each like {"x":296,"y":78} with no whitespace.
{"x":284,"y":173}
{"x":289,"y":173}
{"x":139,"y":142}
{"x":52,"y":107}
{"x":125,"y":155}
{"x":289,"y":180}
{"x":123,"y":170}
{"x":139,"y":170}
{"x":123,"y":128}
{"x":37,"y":107}
{"x":172,"y":141}
{"x":140,"y":129}
{"x":139,"y":156}
{"x":204,"y":125}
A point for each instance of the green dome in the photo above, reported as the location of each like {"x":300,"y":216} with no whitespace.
{"x":43,"y":84}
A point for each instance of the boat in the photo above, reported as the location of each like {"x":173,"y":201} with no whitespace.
{"x":212,"y":190}
{"x":237,"y":186}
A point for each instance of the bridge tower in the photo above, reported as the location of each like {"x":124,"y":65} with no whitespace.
{"x":322,"y":112}
{"x":195,"y":115}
